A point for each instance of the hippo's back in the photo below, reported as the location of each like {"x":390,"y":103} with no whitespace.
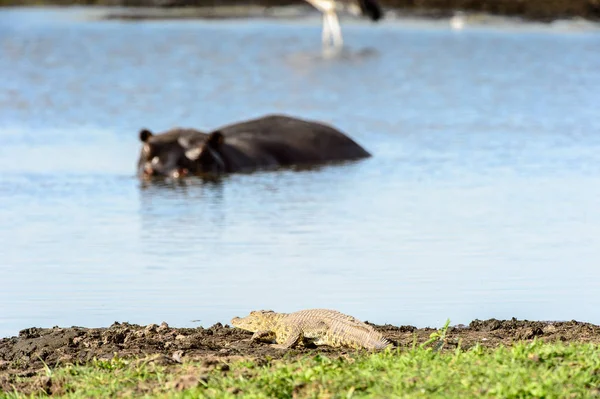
{"x":296,"y":139}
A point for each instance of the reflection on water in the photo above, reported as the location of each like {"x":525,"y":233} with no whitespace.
{"x":479,"y":201}
{"x":344,"y":55}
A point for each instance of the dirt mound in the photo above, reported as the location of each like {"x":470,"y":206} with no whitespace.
{"x":26,"y":354}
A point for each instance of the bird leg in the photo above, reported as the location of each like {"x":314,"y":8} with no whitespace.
{"x":336,"y":31}
{"x":326,"y":36}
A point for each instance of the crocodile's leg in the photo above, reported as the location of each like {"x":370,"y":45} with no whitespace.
{"x":264,"y":335}
{"x":289,"y":339}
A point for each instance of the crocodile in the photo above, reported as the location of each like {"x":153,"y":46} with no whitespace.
{"x":319,"y":326}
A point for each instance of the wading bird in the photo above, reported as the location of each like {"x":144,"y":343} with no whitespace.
{"x":332,"y":33}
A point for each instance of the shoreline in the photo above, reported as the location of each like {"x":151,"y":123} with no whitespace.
{"x":58,"y":345}
{"x":133,"y":360}
{"x":530,"y":11}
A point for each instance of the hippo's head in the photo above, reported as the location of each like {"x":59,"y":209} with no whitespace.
{"x":166,"y":154}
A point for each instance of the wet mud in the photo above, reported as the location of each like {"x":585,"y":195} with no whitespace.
{"x":27,"y":354}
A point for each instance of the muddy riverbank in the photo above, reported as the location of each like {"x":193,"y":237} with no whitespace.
{"x":538,"y":10}
{"x":25,"y":354}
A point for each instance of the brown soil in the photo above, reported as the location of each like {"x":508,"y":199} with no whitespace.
{"x":22,"y":356}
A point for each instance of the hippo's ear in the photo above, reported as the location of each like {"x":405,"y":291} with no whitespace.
{"x":145,"y":134}
{"x":215,"y":139}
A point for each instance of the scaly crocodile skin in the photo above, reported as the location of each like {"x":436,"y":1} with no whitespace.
{"x":320,"y":326}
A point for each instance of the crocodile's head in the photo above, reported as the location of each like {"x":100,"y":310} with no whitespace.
{"x":258,"y":320}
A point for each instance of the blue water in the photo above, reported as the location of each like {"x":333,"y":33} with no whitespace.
{"x":481,"y":198}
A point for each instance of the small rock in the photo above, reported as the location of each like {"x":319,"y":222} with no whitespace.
{"x":139,"y":333}
{"x":177,"y":356}
{"x":549,"y":329}
{"x":179,"y":337}
{"x":529,"y":333}
{"x":163,"y":327}
{"x":116,"y":337}
{"x":151,"y":328}
{"x":32,"y":332}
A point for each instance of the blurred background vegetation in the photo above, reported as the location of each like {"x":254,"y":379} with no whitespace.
{"x":543,"y":10}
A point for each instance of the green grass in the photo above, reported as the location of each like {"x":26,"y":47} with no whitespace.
{"x":525,"y":370}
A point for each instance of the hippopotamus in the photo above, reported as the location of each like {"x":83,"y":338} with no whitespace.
{"x":266,"y":142}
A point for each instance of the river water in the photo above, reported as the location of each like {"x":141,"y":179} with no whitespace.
{"x":481,"y":198}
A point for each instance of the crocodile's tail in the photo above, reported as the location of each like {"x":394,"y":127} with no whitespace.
{"x":377,"y":343}
{"x":364,"y":336}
